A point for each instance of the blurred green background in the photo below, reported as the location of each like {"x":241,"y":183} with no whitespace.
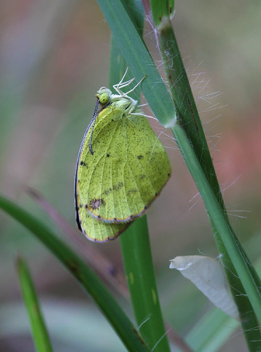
{"x":54,"y":56}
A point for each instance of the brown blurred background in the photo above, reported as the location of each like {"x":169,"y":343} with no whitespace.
{"x":54,"y":55}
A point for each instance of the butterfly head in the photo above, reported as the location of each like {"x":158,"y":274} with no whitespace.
{"x":104,"y":96}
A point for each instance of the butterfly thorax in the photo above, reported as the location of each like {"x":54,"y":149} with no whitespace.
{"x":126,"y":104}
{"x":120,"y":102}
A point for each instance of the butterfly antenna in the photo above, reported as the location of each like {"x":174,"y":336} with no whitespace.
{"x":93,"y":124}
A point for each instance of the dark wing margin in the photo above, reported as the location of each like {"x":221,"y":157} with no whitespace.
{"x":76,"y":206}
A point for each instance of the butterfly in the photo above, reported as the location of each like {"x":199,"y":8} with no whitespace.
{"x":121,"y":168}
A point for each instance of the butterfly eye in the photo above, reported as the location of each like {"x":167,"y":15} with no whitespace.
{"x":104,"y":96}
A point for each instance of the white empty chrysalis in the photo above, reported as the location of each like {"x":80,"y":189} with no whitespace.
{"x":208,"y":275}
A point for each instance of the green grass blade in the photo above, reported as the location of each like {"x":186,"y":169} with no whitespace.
{"x":39,"y":331}
{"x":81,"y":272}
{"x":142,"y":284}
{"x":184,"y":101}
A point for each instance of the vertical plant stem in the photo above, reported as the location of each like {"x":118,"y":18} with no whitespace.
{"x":142,"y":284}
{"x":182,"y":96}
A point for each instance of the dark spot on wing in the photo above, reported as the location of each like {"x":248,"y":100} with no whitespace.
{"x":118,"y":186}
{"x":108,"y":190}
{"x":96,"y":203}
{"x":140,"y":157}
{"x":134,"y":190}
{"x":114,"y":188}
{"x":108,"y":155}
{"x":82,"y":163}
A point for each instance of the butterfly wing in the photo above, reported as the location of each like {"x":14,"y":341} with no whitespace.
{"x":127,"y":170}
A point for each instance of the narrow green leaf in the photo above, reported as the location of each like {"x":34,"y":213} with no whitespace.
{"x":39,"y":331}
{"x":142,"y":284}
{"x":81,"y":272}
{"x":185,"y":104}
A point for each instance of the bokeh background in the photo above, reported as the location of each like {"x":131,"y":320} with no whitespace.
{"x":54,"y":55}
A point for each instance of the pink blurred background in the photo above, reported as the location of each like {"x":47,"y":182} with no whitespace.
{"x":54,"y":56}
